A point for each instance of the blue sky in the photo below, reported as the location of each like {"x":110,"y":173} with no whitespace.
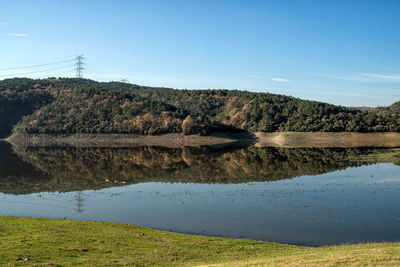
{"x":341,"y":52}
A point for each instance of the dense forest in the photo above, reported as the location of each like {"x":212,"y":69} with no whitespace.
{"x":68,"y":105}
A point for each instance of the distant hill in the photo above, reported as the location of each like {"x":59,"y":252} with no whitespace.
{"x":395,"y":107}
{"x":67,"y":105}
{"x":361,"y":108}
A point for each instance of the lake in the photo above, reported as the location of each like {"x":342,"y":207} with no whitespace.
{"x":307,"y":196}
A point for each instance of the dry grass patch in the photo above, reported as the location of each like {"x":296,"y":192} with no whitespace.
{"x":376,"y":254}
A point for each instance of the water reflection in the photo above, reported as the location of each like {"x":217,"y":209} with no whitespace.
{"x":26,"y":170}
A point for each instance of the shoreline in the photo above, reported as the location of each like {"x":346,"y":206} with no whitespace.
{"x":276,"y":139}
{"x":118,"y":140}
{"x":329,"y":139}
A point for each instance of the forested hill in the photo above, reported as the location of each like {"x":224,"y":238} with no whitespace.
{"x":395,"y":107}
{"x":66,"y":106}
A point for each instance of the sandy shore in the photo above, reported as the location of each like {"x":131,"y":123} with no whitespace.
{"x":286,"y":139}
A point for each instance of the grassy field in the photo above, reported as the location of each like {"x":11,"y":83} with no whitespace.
{"x":38,"y":242}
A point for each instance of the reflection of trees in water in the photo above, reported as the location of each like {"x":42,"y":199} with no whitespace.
{"x":16,"y":175}
{"x":93,"y":168}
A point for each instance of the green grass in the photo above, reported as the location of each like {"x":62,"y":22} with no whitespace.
{"x":38,"y":242}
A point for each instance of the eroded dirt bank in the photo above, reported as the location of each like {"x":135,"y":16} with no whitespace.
{"x":326,"y":139}
{"x":118,"y":140}
{"x":287,"y":139}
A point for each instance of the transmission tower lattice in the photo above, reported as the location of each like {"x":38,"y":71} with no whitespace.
{"x":79,"y":66}
{"x":79,"y":202}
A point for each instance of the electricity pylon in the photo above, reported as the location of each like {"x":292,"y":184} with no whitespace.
{"x":79,"y":66}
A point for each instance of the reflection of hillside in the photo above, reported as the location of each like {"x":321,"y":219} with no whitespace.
{"x":17,"y":175}
{"x":94,"y":168}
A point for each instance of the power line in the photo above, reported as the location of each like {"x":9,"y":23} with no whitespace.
{"x":33,"y":72}
{"x":55,"y":74}
{"x":37,"y":66}
{"x":98,"y":72}
{"x":79,"y":66}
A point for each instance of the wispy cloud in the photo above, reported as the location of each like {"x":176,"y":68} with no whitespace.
{"x":383,"y":76}
{"x":252,"y":76}
{"x":372,"y":96}
{"x":259,"y":75}
{"x":3,"y":23}
{"x":281,"y":80}
{"x":363,"y":77}
{"x":336,"y":77}
{"x":17,"y":35}
{"x":360,"y":95}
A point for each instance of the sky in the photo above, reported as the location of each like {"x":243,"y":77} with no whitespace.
{"x":341,"y":52}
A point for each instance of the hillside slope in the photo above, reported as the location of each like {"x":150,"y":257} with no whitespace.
{"x":19,"y":97}
{"x":395,"y":107}
{"x":67,"y":106}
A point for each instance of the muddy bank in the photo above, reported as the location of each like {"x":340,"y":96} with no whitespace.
{"x":326,"y":139}
{"x":284,"y":139}
{"x":120,"y":140}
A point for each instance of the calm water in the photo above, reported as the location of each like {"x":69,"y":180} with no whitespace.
{"x":298,"y":196}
